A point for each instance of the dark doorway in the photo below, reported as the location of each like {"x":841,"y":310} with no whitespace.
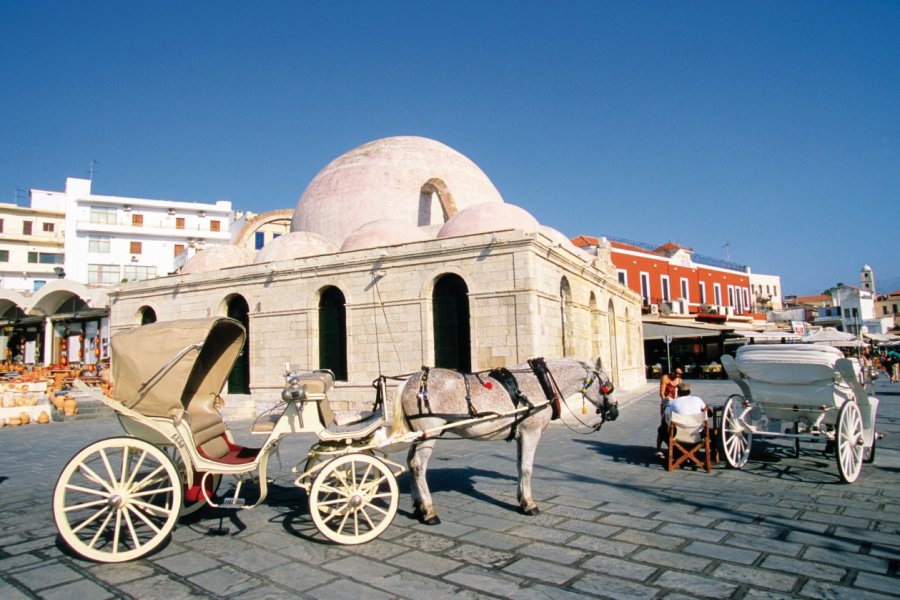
{"x":239,"y":378}
{"x":452,"y":340}
{"x":333,"y":333}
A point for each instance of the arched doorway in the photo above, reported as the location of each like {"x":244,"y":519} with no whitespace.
{"x":239,"y":378}
{"x":452,"y":340}
{"x":613,"y":344}
{"x":333,"y":332}
{"x":148,"y":315}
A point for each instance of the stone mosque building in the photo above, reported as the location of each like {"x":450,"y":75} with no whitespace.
{"x":401,"y":253}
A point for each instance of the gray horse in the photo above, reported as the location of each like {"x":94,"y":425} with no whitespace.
{"x":482,"y":403}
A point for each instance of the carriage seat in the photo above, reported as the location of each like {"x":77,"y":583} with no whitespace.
{"x":209,"y":434}
{"x":344,"y":427}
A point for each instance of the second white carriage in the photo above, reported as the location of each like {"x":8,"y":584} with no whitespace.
{"x":804,"y":391}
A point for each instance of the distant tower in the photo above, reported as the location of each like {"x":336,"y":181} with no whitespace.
{"x":867,"y":279}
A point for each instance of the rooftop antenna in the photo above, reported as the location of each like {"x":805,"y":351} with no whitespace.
{"x":727,"y":245}
{"x":91,"y":169}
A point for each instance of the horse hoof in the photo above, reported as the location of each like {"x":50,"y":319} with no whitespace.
{"x":423,"y":518}
{"x":531,"y":512}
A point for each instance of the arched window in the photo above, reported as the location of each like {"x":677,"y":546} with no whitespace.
{"x":452,"y":340}
{"x":565,"y":314}
{"x":148,"y":315}
{"x":595,"y":326}
{"x":333,"y":333}
{"x":239,"y":378}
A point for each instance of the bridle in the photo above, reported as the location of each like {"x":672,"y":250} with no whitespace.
{"x":609,"y":411}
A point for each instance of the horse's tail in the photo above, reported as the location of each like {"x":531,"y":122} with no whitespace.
{"x":399,"y":424}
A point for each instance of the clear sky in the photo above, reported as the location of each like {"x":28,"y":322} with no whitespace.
{"x":773,"y":127}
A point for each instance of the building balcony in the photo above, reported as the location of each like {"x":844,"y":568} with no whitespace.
{"x":159,"y":229}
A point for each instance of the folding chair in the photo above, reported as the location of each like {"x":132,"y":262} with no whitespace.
{"x":688,"y":438}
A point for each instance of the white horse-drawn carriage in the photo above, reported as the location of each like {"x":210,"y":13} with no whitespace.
{"x":118,"y":499}
{"x":804,"y":391}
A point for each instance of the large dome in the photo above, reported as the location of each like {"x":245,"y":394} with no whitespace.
{"x":402,"y":178}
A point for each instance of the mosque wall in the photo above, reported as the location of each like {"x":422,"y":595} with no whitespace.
{"x":527,"y":297}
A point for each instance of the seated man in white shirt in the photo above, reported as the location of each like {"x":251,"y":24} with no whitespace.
{"x":685,"y":403}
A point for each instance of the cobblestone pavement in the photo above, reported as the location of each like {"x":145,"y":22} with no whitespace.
{"x":614,"y":524}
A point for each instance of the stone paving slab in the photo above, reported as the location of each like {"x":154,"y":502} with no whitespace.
{"x":613,"y":524}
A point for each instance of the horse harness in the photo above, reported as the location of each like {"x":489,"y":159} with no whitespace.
{"x":508,"y":380}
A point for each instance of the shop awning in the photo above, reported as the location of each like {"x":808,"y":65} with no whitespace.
{"x":658,"y":331}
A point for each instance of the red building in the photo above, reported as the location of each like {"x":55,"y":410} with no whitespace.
{"x":672,"y":281}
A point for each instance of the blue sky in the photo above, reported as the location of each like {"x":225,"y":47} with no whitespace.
{"x":771,"y":126}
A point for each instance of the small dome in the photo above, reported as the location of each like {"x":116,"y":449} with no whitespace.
{"x":298,"y":244}
{"x":401,"y":178}
{"x":383,"y":232}
{"x":218,"y":257}
{"x":486,"y":217}
{"x":558,"y":237}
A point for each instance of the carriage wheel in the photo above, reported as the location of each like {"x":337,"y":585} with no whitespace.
{"x":193,"y":499}
{"x":733,"y":436}
{"x":353,"y":499}
{"x":117,"y":499}
{"x":849,"y":440}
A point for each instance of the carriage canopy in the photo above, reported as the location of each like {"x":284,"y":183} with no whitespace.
{"x":159,"y":369}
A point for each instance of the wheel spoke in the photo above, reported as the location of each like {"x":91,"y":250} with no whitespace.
{"x":131,"y":531}
{"x":106,"y":463}
{"x":86,"y":505}
{"x":84,"y":490}
{"x":117,"y":528}
{"x":101,"y":529}
{"x":91,"y":519}
{"x":152,"y":492}
{"x":136,"y":469}
{"x":146,"y":520}
{"x":151,"y":508}
{"x":148,"y":479}
{"x":124,"y":470}
{"x":90,"y":475}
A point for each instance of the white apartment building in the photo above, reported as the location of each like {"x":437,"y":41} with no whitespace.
{"x":31,"y":244}
{"x":111,"y":239}
{"x":765,"y":293}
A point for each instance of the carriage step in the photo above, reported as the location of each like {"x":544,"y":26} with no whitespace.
{"x":233,"y":503}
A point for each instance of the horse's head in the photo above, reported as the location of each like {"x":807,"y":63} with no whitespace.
{"x":597,"y":389}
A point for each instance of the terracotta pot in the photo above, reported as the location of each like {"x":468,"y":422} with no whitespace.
{"x":70,"y":406}
{"x":13,"y":422}
{"x":24,"y":418}
{"x":58,"y":401}
{"x":43,"y":418}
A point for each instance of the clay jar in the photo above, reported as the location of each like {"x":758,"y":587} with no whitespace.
{"x":24,"y":418}
{"x":70,"y":406}
{"x":43,"y":418}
